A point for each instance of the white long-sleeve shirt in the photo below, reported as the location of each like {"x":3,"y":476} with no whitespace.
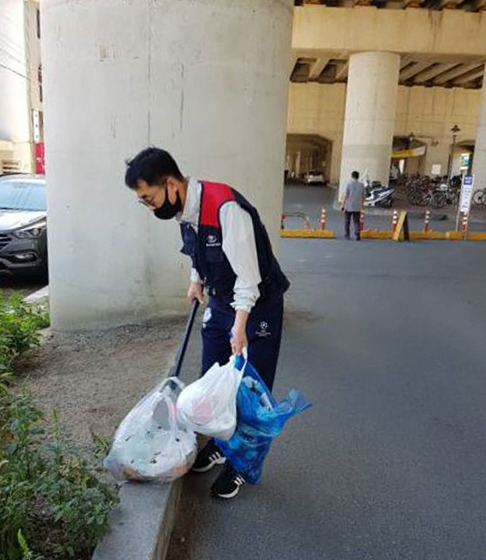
{"x":239,"y":245}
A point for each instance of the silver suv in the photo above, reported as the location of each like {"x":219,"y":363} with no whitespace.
{"x":23,"y":225}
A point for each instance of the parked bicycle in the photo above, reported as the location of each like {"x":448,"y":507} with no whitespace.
{"x":445,"y":194}
{"x":437,"y":192}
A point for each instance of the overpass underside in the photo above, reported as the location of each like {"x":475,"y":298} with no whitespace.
{"x":363,"y":75}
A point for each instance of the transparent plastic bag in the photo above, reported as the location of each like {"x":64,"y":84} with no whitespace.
{"x":260,"y":419}
{"x":208,"y":406}
{"x":149,"y":444}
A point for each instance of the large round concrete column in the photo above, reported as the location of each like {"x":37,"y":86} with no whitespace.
{"x":370,"y":115}
{"x":479,"y":161}
{"x":206,"y":80}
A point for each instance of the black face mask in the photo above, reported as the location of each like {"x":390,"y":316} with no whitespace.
{"x":168,"y":210}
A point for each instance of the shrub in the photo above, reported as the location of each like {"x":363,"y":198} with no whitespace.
{"x":54,"y":499}
{"x":20,"y":324}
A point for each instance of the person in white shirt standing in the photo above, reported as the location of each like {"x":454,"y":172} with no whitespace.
{"x":232,"y":260}
{"x":352,"y":205}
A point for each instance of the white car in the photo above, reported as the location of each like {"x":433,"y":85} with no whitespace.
{"x":314,"y":178}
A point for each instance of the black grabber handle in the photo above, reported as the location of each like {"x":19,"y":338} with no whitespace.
{"x":176,"y":368}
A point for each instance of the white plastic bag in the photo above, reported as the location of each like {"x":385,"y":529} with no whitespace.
{"x":208,"y":406}
{"x":149,"y":444}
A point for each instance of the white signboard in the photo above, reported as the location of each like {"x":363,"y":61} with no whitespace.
{"x":436,"y":169}
{"x":466,"y":193}
{"x":36,"y":126}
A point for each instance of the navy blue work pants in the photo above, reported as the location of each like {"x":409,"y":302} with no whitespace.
{"x":263,"y":329}
{"x":356,"y":219}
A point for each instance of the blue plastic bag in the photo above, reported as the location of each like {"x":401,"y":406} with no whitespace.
{"x":260,"y":418}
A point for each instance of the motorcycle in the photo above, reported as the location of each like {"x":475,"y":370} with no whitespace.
{"x":376,"y":195}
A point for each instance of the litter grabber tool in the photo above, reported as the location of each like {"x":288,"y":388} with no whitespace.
{"x":150,"y":444}
{"x":175,"y":370}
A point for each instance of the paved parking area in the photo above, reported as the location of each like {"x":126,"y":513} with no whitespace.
{"x":310,"y":200}
{"x":388,"y":341}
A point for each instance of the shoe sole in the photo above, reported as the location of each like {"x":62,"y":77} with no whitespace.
{"x":210,"y":466}
{"x":226,"y":496}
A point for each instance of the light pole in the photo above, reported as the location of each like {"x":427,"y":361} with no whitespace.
{"x":455,"y":130}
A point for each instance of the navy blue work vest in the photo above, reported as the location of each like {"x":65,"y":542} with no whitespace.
{"x":206,"y":247}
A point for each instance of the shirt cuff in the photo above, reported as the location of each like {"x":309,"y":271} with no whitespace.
{"x":195,"y":276}
{"x":242,"y":307}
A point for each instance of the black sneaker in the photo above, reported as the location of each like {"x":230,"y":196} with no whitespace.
{"x":207,"y":458}
{"x":228,"y":483}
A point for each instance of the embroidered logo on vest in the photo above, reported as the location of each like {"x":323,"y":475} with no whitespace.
{"x":212,"y":241}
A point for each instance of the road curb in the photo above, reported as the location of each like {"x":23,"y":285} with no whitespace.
{"x":380,"y":234}
{"x":39,"y":298}
{"x":310,"y":233}
{"x":141,"y":525}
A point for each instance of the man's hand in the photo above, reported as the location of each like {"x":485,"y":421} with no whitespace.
{"x":239,"y":339}
{"x":195,"y":292}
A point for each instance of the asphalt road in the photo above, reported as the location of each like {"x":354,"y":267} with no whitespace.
{"x":388,"y":341}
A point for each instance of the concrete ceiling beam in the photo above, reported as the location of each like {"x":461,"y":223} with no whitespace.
{"x":413,"y":3}
{"x":448,"y":4}
{"x":460,"y":70}
{"x":413,"y":70}
{"x":478,"y":5}
{"x":405,"y":61}
{"x":342,"y":72}
{"x":317,"y":68}
{"x":428,"y":33}
{"x":433,"y":72}
{"x":292,"y":62}
{"x":469,"y":77}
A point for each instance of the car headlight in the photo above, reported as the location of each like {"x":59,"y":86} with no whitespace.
{"x":31,"y":231}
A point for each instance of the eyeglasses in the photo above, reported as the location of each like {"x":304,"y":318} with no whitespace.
{"x":145,"y":203}
{"x":147,"y":200}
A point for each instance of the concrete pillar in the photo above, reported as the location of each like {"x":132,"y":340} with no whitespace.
{"x":370,"y":115}
{"x":205,"y":79}
{"x":479,"y":161}
{"x":297,"y":163}
{"x":337,"y":143}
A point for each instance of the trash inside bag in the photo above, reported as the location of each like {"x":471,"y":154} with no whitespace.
{"x":260,"y":419}
{"x":149,"y":444}
{"x":208,"y":406}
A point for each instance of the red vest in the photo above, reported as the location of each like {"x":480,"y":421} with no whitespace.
{"x":206,"y":247}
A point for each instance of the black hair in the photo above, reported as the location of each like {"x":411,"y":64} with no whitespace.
{"x":153,"y":166}
{"x":355,"y":175}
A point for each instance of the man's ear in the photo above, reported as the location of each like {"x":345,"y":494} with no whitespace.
{"x":172,"y":187}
